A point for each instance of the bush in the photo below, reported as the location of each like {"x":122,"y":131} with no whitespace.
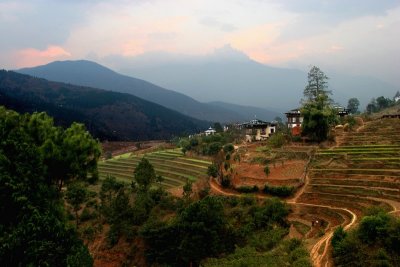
{"x":266,"y":170}
{"x":296,"y":138}
{"x":87,"y":215}
{"x":228,"y":148}
{"x":212,"y":170}
{"x":260,"y":160}
{"x":89,"y":232}
{"x":214,"y":148}
{"x":279,"y":191}
{"x":277,"y":140}
{"x":247,"y":189}
{"x":226,"y":181}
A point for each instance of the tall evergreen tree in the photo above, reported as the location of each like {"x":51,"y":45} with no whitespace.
{"x":317,"y":111}
{"x":317,"y":84}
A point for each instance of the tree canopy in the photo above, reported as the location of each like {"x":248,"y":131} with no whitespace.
{"x":144,"y":174}
{"x":317,"y":111}
{"x":317,"y":84}
{"x":353,"y":105}
{"x":33,"y":230}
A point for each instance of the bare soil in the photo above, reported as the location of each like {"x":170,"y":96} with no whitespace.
{"x":287,"y":173}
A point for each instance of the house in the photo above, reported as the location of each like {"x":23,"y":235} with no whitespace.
{"x":294,"y":118}
{"x":341,"y":111}
{"x":210,"y":131}
{"x":257,"y":130}
{"x":294,"y":121}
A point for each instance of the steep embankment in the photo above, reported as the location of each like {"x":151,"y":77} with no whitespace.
{"x":363,"y":171}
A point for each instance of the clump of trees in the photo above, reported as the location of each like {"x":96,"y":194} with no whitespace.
{"x":376,"y":105}
{"x":353,"y":105}
{"x":375,"y":242}
{"x":317,"y":109}
{"x":36,"y":159}
{"x":212,"y":227}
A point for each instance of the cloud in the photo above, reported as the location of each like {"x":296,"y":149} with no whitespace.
{"x":214,"y":23}
{"x":338,"y":10}
{"x":32,"y":57}
{"x":314,"y":17}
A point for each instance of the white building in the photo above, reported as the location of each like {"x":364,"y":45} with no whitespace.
{"x":210,"y":131}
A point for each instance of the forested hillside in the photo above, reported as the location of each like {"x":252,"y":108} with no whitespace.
{"x":87,"y":73}
{"x":107,"y":115}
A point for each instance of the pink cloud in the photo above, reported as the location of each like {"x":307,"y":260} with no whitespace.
{"x":32,"y":57}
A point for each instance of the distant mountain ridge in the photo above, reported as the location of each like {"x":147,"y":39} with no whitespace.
{"x":107,"y":115}
{"x":87,"y":73}
{"x":230,"y":76}
{"x":248,"y":112}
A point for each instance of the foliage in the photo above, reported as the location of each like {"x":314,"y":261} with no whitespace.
{"x":226,"y":181}
{"x":376,"y":105}
{"x":265,"y":228}
{"x":201,"y":230}
{"x":121,"y":217}
{"x":279,"y":191}
{"x":212,"y":170}
{"x":317,"y":111}
{"x":187,"y":189}
{"x":353,"y":105}
{"x":277,"y":140}
{"x":376,"y":242}
{"x":247,"y":189}
{"x":266,"y":170}
{"x":317,"y":84}
{"x":109,"y":188}
{"x":144,"y":175}
{"x":33,"y":230}
{"x":214,"y":148}
{"x":76,"y":195}
{"x":218,"y":128}
{"x":229,"y":148}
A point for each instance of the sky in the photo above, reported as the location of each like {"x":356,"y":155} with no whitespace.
{"x":359,"y":37}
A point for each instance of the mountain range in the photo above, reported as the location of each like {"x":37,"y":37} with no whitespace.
{"x":231,"y":76}
{"x":107,"y":115}
{"x":88,"y":73}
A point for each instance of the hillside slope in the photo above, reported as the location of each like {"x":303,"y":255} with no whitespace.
{"x":107,"y":115}
{"x":87,"y":73}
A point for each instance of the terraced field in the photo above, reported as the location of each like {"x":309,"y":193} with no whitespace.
{"x":362,"y":171}
{"x":171,"y":164}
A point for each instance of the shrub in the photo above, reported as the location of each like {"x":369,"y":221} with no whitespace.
{"x":247,"y":189}
{"x":260,"y":160}
{"x":247,"y":200}
{"x":277,"y":140}
{"x":87,"y":215}
{"x":266,"y":170}
{"x":226,"y":181}
{"x":89,"y":232}
{"x":214,"y":148}
{"x":279,"y":191}
{"x":228,"y":148}
{"x":212,"y":170}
